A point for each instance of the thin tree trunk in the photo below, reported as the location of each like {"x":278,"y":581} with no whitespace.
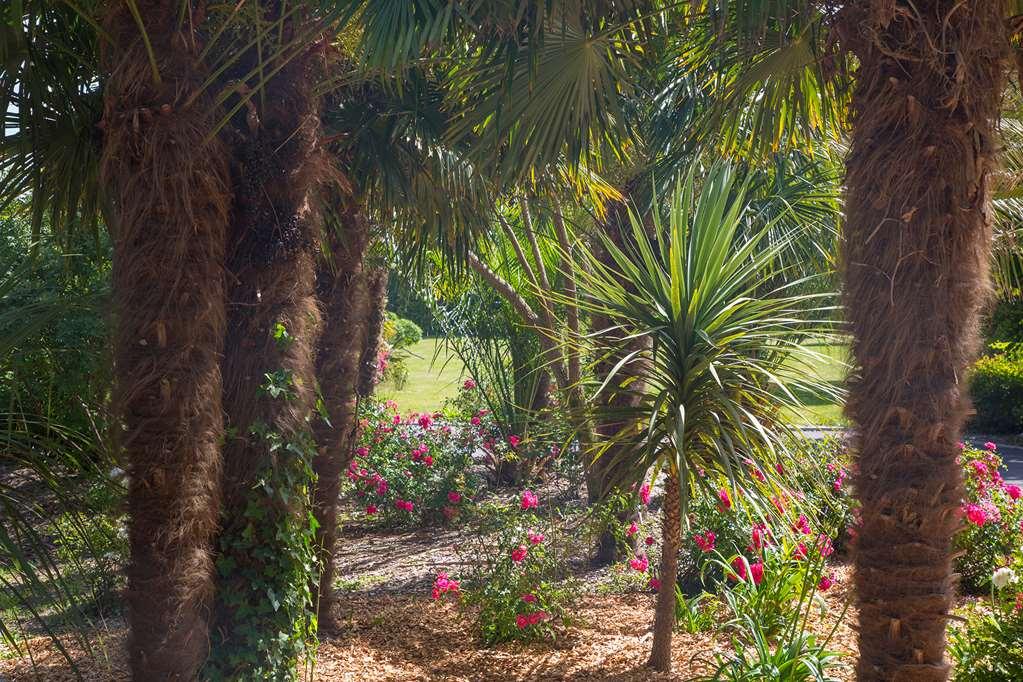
{"x":269,"y":383}
{"x":171,"y":197}
{"x":915,"y":263}
{"x":376,"y":294}
{"x":603,"y":474}
{"x":343,"y":299}
{"x":664,"y":614}
{"x":543,"y":331}
{"x":578,"y":413}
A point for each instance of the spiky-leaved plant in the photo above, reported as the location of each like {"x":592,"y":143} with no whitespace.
{"x":723,"y":324}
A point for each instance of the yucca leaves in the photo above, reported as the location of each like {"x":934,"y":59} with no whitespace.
{"x":716,"y":377}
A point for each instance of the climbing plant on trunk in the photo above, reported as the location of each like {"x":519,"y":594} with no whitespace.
{"x":266,"y":543}
{"x":168,"y":185}
{"x":916,"y":254}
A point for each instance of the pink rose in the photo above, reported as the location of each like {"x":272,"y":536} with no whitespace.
{"x":990,"y":446}
{"x":655,"y":584}
{"x":825,"y":583}
{"x":632,"y":529}
{"x":469,"y":384}
{"x":475,"y":421}
{"x":639,"y":563}
{"x":519,"y":553}
{"x":371,"y":509}
{"x":535,"y":538}
{"x":649,"y":540}
{"x":514,"y":441}
{"x":521,"y":621}
{"x":1013,"y":491}
{"x":529,"y":500}
{"x":454,"y":497}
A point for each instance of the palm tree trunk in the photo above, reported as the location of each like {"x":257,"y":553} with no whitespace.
{"x":170,"y":195}
{"x":664,"y":614}
{"x":342,"y":293}
{"x":376,"y":295}
{"x":269,"y":384}
{"x":915,"y":262}
{"x":603,"y":474}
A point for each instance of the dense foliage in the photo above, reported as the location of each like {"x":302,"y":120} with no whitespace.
{"x":992,"y":511}
{"x":996,"y":386}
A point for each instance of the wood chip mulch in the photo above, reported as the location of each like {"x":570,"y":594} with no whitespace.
{"x":404,"y":638}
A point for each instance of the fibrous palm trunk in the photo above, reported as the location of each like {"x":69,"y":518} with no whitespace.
{"x":170,"y":197}
{"x":269,"y":381}
{"x":342,"y":291}
{"x":664,"y":614}
{"x":617,"y":401}
{"x":915,"y":267}
{"x":376,"y":294}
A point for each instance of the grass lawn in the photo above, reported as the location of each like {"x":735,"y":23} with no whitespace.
{"x":828,"y":364}
{"x":431,"y":379}
{"x":435,"y":376}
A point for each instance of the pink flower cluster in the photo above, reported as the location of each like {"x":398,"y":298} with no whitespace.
{"x":640,"y":563}
{"x":442,"y":585}
{"x":756,"y":570}
{"x":529,"y":500}
{"x":705,"y":541}
{"x":524,"y":620}
{"x":404,"y":505}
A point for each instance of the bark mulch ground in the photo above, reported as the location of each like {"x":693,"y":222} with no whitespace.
{"x":399,"y":637}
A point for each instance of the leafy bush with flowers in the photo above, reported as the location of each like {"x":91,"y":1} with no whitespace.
{"x":409,"y":470}
{"x":514,"y":579}
{"x":510,"y":457}
{"x":988,"y":647}
{"x":809,"y":496}
{"x":992,"y":511}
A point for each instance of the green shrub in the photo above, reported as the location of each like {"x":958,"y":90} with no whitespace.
{"x":996,"y":385}
{"x":514,"y":576}
{"x":406,"y":333}
{"x":989,"y":646}
{"x":810,"y":480}
{"x":410,"y":470}
{"x":1005,"y":322}
{"x":993,"y":515}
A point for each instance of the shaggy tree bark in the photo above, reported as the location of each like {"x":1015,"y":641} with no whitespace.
{"x":664,"y":614}
{"x":269,"y":376}
{"x":341,"y":286}
{"x":170,"y":197}
{"x":915,"y":266}
{"x":604,"y":473}
{"x":376,"y":287}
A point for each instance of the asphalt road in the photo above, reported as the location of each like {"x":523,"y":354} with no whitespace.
{"x":1012,"y":455}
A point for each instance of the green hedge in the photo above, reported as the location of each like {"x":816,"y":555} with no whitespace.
{"x":997,"y":389}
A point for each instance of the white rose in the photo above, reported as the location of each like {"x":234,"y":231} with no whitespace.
{"x":1003,"y":576}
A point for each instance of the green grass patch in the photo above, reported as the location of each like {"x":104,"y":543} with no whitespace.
{"x":434,"y":375}
{"x":828,"y":363}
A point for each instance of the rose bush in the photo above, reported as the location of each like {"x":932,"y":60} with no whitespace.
{"x":514,"y":580}
{"x":992,"y":511}
{"x":411,"y":469}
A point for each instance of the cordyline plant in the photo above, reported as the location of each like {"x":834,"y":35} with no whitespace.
{"x":728,"y":335}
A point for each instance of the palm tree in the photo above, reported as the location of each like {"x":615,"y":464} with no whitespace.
{"x":168,"y":185}
{"x":916,"y":254}
{"x":344,"y":291}
{"x":712,"y":378}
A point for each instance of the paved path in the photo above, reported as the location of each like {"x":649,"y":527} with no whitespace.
{"x":1012,"y":455}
